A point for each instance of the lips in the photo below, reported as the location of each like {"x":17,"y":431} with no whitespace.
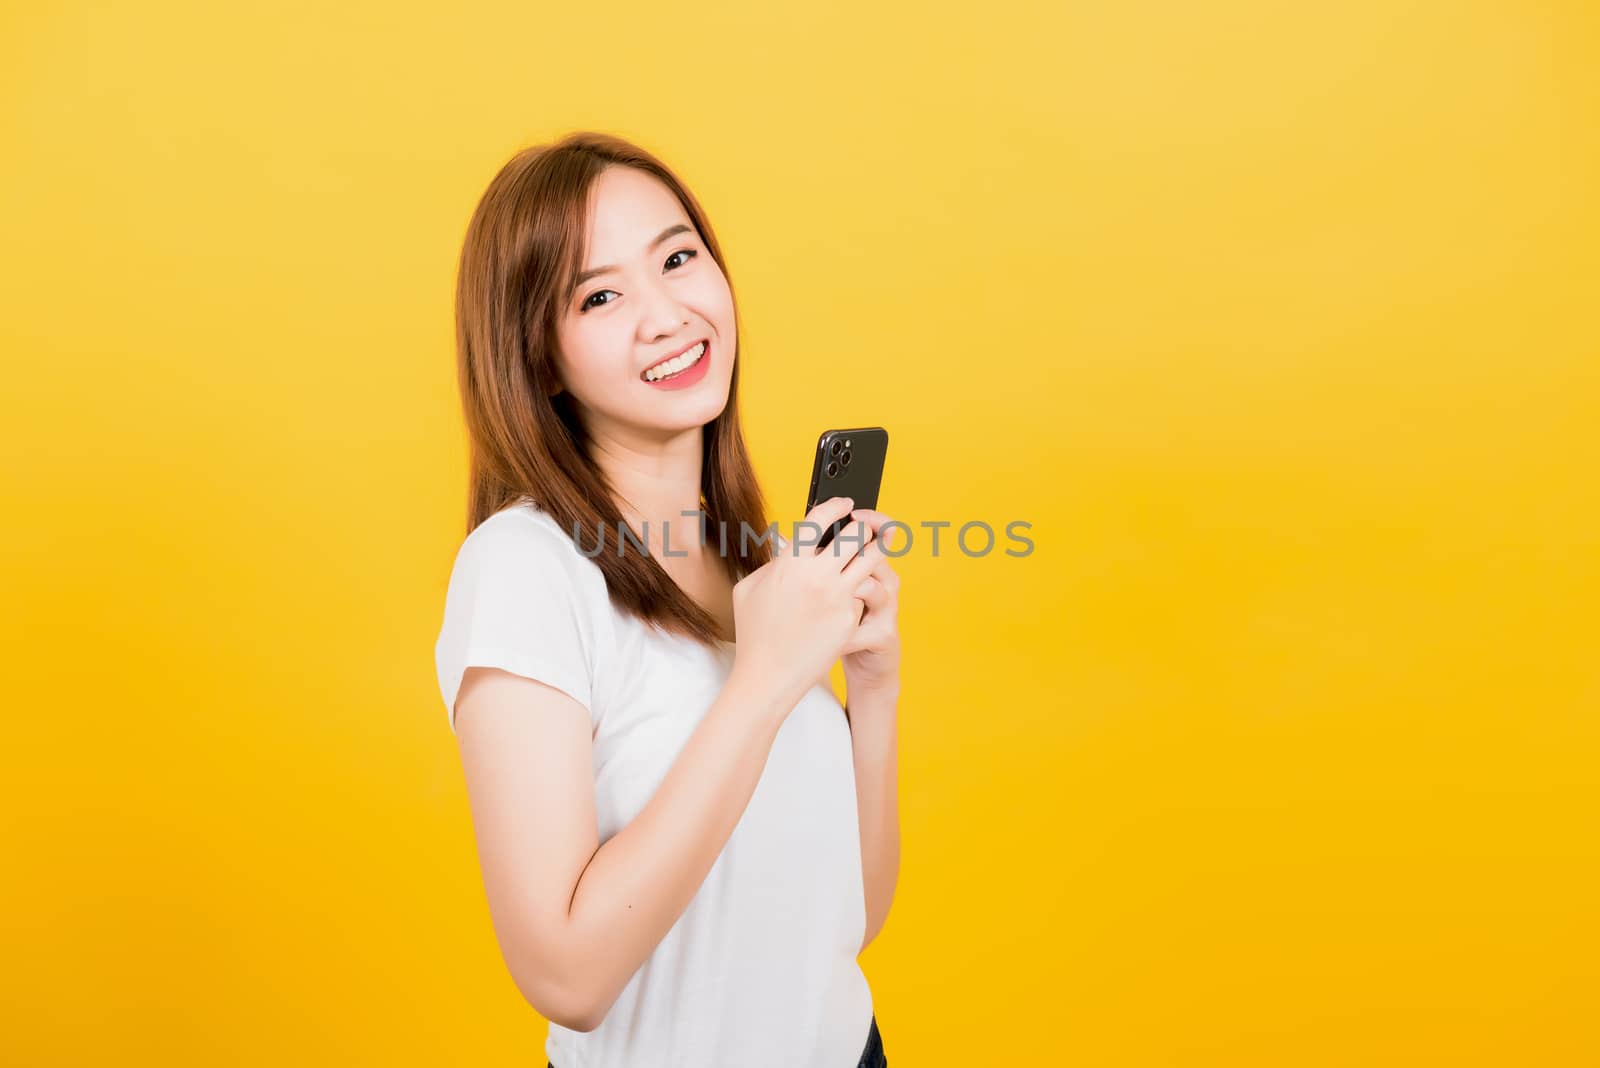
{"x":673,"y":355}
{"x":686,"y":379}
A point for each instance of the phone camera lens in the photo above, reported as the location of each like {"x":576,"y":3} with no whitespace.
{"x":844,"y":458}
{"x":834,"y":448}
{"x":833,"y":469}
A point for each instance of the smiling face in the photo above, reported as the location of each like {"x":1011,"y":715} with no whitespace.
{"x":648,"y":290}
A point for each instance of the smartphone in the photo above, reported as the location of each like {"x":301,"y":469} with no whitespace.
{"x":849,"y":463}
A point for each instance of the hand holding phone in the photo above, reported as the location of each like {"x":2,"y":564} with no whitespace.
{"x":849,"y":463}
{"x":797,"y":613}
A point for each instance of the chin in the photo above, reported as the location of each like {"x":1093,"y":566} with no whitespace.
{"x":704,"y":413}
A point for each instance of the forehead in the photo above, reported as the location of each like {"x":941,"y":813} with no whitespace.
{"x":627,"y":208}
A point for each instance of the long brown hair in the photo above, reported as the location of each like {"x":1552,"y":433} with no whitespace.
{"x":522,"y":252}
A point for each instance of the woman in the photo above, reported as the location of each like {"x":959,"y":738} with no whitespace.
{"x":686,"y":841}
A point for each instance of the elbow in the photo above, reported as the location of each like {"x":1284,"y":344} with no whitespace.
{"x":582,"y":1021}
{"x":582,"y":1013}
{"x":590,"y":1010}
{"x":871,"y":933}
{"x":578,"y":1014}
{"x":585,"y":1023}
{"x":551,"y":992}
{"x":564,"y":995}
{"x":560,"y":1005}
{"x":876,"y":921}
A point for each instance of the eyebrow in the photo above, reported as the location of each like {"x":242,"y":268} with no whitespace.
{"x":675,"y":228}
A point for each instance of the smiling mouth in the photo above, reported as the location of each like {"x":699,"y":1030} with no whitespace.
{"x":677,"y":364}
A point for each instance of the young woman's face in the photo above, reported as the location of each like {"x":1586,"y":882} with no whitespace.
{"x":659,"y":293}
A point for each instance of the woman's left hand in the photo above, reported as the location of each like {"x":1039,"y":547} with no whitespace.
{"x":872,"y":655}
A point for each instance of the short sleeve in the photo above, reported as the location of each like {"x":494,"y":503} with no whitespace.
{"x":518,"y":600}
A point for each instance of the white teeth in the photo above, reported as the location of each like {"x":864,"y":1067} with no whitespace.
{"x":676,"y":364}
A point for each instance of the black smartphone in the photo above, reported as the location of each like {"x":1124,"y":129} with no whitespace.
{"x":849,"y":463}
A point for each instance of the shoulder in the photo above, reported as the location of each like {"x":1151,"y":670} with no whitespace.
{"x":522,"y":598}
{"x":522,"y":528}
{"x":523,"y":539}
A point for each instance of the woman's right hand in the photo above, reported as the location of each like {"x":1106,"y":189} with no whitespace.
{"x":794,"y":614}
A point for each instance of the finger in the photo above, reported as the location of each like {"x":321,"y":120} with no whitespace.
{"x":871,"y":516}
{"x":848,"y":543}
{"x":874,"y":593}
{"x":863,"y":563}
{"x":808,"y":532}
{"x":868,"y":635}
{"x":886,"y":574}
{"x":875,"y":519}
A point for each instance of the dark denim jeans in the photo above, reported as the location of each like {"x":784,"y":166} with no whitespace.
{"x":871,"y":1057}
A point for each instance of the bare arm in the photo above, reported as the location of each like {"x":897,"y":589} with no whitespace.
{"x":575,"y":920}
{"x":874,"y":744}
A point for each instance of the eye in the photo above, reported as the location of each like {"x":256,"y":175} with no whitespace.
{"x":588,"y":301}
{"x":586,"y":305}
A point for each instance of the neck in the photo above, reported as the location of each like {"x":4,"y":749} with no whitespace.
{"x":656,"y":481}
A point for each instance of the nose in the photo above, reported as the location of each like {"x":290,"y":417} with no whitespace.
{"x":663,"y":314}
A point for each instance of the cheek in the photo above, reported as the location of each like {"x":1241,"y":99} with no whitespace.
{"x":717,"y":307}
{"x":713,"y":298}
{"x":594,"y":351}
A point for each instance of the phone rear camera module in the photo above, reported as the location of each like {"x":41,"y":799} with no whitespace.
{"x":833,"y":469}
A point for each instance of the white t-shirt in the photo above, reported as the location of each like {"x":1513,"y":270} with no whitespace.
{"x":761,"y":967}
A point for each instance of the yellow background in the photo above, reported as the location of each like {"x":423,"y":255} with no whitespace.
{"x":1277,"y":321}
